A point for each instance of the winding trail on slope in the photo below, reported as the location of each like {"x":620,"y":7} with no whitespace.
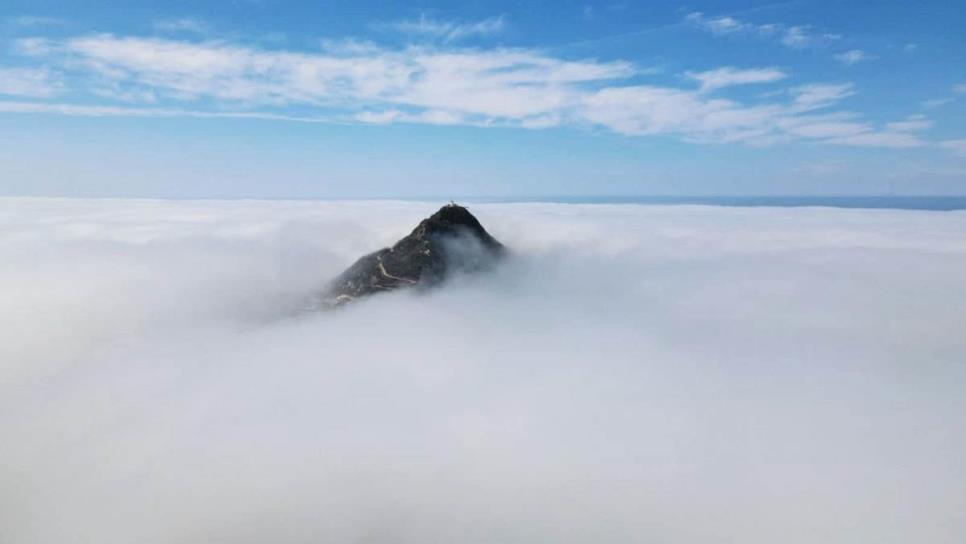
{"x":382,"y":270}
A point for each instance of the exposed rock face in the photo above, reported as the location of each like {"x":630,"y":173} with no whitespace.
{"x":450,"y":240}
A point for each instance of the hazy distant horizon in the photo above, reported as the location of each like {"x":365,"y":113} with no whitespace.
{"x":893,"y":202}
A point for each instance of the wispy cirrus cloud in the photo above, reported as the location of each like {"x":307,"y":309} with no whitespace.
{"x":958,"y":147}
{"x":935,"y":103}
{"x":442,"y":85}
{"x":729,"y":75}
{"x":912,"y":123}
{"x":853,"y":56}
{"x":803,"y":36}
{"x":183,"y":25}
{"x":720,"y":26}
{"x":447,"y":31}
{"x":426,"y":117}
{"x":873,"y":138}
{"x":85,"y":110}
{"x":498,"y":83}
{"x":794,"y":36}
{"x":30,"y":21}
{"x":845,"y":128}
{"x":939,"y":102}
{"x":820,"y":95}
{"x":896,"y":134}
{"x":29,"y":82}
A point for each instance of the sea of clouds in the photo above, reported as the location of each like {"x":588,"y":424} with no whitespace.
{"x":667,"y":374}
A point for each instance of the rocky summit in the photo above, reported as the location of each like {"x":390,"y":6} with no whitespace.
{"x":449,"y":241}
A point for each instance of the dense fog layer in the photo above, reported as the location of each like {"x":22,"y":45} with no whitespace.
{"x":676,"y":374}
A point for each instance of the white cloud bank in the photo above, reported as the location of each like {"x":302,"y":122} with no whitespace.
{"x":364,"y":82}
{"x":663,"y":374}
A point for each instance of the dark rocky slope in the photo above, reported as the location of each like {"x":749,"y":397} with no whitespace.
{"x":451,"y":240}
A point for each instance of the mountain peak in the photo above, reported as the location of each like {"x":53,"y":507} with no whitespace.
{"x":449,"y":241}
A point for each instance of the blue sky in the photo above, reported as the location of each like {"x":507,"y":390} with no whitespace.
{"x":276,"y":99}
